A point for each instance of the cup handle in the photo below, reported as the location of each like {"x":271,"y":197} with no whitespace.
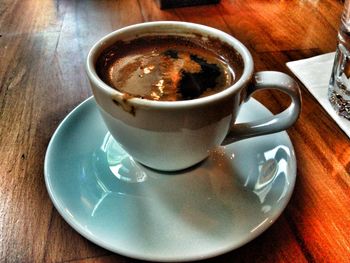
{"x":275,"y":123}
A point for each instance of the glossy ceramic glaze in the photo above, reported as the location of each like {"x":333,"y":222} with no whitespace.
{"x":214,"y":207}
{"x":171,"y":136}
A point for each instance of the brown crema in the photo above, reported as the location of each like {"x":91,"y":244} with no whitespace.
{"x":169,"y":68}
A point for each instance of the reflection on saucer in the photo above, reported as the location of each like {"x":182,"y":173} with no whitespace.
{"x":264,"y":168}
{"x":214,"y":207}
{"x":123,"y":166}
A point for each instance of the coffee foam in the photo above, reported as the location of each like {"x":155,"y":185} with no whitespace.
{"x":169,"y":67}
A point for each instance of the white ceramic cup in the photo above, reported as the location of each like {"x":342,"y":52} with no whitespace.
{"x":175,"y":135}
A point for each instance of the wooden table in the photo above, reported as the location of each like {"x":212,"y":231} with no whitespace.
{"x":43,"y":46}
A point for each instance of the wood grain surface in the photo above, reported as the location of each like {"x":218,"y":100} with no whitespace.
{"x":43,"y":46}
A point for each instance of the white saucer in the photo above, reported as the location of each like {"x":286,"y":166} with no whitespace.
{"x":215,"y":207}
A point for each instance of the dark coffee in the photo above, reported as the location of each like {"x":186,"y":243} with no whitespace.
{"x":169,"y":68}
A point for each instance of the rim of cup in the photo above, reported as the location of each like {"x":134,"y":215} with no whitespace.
{"x":149,"y":28}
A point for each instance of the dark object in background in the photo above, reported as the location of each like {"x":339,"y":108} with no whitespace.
{"x":165,"y":4}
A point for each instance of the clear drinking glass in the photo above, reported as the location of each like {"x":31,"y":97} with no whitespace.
{"x":339,"y":85}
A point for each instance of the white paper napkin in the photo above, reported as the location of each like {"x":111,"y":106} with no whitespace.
{"x":315,"y":73}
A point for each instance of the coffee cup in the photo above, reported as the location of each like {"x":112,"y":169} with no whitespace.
{"x":174,"y":135}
